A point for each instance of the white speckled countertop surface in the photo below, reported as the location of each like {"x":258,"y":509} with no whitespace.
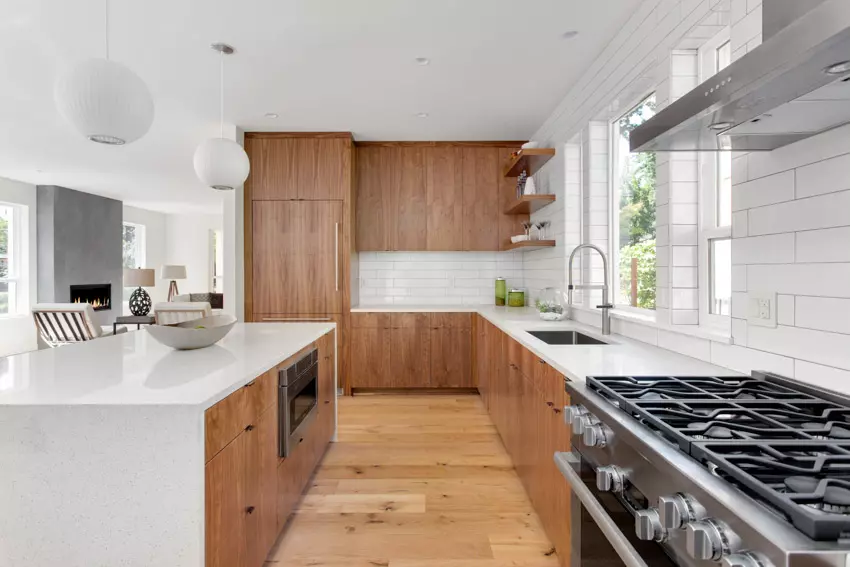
{"x":621,"y":356}
{"x":133,"y":369}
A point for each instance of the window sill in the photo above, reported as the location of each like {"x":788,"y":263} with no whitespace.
{"x":648,"y":320}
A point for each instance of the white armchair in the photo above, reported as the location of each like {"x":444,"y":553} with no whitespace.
{"x":64,"y":323}
{"x":170,"y":312}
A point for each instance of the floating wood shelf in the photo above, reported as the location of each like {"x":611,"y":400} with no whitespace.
{"x":529,"y":160}
{"x":529,"y":204}
{"x":529,"y":245}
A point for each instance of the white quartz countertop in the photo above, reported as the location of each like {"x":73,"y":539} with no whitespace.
{"x":132,"y":369}
{"x":620,"y":357}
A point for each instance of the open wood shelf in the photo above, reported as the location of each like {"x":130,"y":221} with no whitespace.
{"x":529,"y":160}
{"x":529,"y":204}
{"x":529,"y":245}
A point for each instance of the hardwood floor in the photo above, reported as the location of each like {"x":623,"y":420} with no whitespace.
{"x":414,"y":481}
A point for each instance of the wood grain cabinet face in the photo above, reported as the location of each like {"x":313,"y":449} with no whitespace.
{"x":410,"y":345}
{"x":224,"y":507}
{"x":480,"y":199}
{"x":451,"y":366}
{"x":444,"y":182}
{"x":378,"y":178}
{"x":297,"y":257}
{"x":412,"y":201}
{"x":312,"y":169}
{"x":370,"y":351}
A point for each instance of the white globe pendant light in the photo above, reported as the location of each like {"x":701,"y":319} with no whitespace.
{"x":105,"y":101}
{"x":221,"y":163}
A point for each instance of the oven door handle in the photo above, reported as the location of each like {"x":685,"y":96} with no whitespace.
{"x":619,"y":542}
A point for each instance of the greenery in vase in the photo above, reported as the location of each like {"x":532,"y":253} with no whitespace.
{"x":548,"y":307}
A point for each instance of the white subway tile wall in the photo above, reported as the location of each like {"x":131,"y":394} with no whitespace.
{"x":436,"y":278}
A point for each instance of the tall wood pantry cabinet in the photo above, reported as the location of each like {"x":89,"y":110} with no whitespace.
{"x":299,"y":223}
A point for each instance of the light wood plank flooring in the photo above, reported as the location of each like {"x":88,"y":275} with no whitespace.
{"x":414,"y":481}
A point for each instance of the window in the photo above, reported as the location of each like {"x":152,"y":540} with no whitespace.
{"x":216,"y":261}
{"x":716,"y":206}
{"x":10,"y":259}
{"x":633,"y":206}
{"x":134,"y":245}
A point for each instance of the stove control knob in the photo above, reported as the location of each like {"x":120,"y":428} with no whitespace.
{"x":571,"y":413}
{"x":749,"y":559}
{"x":582,"y":422}
{"x":648,"y":526}
{"x":710,"y":540}
{"x":610,"y":479}
{"x":679,"y":510}
{"x":596,"y":435}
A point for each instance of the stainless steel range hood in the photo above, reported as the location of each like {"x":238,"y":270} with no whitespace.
{"x":791,"y":87}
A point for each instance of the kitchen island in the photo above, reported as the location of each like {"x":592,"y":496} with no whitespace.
{"x":122,"y":451}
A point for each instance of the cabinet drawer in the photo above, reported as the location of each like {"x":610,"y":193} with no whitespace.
{"x":260,"y":394}
{"x":451,"y":320}
{"x":225,"y":421}
{"x":371,"y":320}
{"x":410,"y":320}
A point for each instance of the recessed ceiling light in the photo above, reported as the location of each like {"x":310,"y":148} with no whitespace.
{"x":422,"y":61}
{"x":720,"y":126}
{"x":838,"y":68}
{"x":569,"y":34}
{"x":422,"y":115}
{"x":271,"y":115}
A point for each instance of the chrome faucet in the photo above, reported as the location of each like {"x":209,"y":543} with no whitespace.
{"x":605,"y":307}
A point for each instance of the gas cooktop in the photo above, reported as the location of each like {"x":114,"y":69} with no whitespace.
{"x":781,"y":443}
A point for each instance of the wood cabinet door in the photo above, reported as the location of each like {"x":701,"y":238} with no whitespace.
{"x":480,"y":199}
{"x":444,"y":186}
{"x":225,"y":506}
{"x":412,"y":201}
{"x":451,"y":364}
{"x":332,"y":180}
{"x":378,"y":179}
{"x":280,"y":167}
{"x":260,"y":487}
{"x":370,"y":357}
{"x":327,"y":386}
{"x":410,"y":350}
{"x":296,"y":267}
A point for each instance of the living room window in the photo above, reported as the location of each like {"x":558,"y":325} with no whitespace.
{"x":134,"y":245}
{"x":715,"y":206}
{"x":216,"y":261}
{"x":633,"y":207}
{"x":11,"y":235}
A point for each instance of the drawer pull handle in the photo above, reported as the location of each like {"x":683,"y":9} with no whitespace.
{"x":250,"y":509}
{"x":556,"y":410}
{"x":327,"y":401}
{"x":249,"y":428}
{"x":550,"y":404}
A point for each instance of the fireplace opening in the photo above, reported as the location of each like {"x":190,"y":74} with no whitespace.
{"x":98,"y":295}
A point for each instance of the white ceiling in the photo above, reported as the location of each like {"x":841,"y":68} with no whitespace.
{"x":498,"y":68}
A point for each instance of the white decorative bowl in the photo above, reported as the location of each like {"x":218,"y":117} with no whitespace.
{"x":188,"y":336}
{"x":530,"y":145}
{"x":552,"y":316}
{"x":519,"y":238}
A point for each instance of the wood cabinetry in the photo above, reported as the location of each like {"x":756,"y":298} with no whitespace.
{"x":249,"y":490}
{"x":411,"y":350}
{"x":525,"y":397}
{"x":290,"y":168}
{"x":433,"y":196}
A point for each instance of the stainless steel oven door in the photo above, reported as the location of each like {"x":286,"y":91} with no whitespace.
{"x":298,"y":405}
{"x":602,"y":527}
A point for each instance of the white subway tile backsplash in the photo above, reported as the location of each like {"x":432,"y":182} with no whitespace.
{"x":746,"y":360}
{"x":690,"y":346}
{"x":785,"y":309}
{"x":823,"y":376}
{"x":774,"y":249}
{"x":823,"y":313}
{"x":739,"y":278}
{"x":764,"y":191}
{"x":824,"y":245}
{"x":685,"y":255}
{"x":739,"y":224}
{"x":832,"y":349}
{"x":824,"y":211}
{"x":826,"y":176}
{"x":824,"y":280}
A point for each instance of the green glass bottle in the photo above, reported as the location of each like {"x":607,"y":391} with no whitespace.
{"x":516,"y":298}
{"x":501,"y":291}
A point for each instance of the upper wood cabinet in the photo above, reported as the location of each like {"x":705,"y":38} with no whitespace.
{"x":297,"y":257}
{"x":438,"y":196}
{"x":291,"y":168}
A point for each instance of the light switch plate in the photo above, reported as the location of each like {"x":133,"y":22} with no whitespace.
{"x":761,"y":308}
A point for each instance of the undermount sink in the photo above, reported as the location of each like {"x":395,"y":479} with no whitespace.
{"x":565,"y":338}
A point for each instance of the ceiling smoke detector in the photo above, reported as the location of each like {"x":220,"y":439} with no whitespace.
{"x":569,"y":34}
{"x":422,"y":61}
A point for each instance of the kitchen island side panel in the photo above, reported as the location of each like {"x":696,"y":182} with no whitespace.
{"x":91,"y":486}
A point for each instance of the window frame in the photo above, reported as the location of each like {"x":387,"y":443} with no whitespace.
{"x":141,"y":249}
{"x":14,"y":254}
{"x":709,"y":230}
{"x":614,"y":207}
{"x":212,"y":253}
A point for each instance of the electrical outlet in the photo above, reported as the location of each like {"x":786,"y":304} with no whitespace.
{"x":761,"y":309}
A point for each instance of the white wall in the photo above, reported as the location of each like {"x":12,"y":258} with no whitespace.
{"x":188,"y":243}
{"x":17,"y":334}
{"x":436,"y":278}
{"x":155,"y":247}
{"x":791,"y":209}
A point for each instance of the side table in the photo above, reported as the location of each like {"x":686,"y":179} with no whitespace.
{"x":138,"y":321}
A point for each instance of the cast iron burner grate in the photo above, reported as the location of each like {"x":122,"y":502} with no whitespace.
{"x":784,"y":444}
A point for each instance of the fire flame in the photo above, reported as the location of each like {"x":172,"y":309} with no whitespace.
{"x":96,"y":304}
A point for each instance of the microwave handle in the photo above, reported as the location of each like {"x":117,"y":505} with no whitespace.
{"x":618,"y":541}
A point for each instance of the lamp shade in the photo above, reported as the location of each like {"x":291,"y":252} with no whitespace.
{"x":139,"y":277}
{"x":172,"y":272}
{"x":221,"y":164}
{"x":105,"y":101}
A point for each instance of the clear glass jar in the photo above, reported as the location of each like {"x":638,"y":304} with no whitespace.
{"x":516,"y":297}
{"x":550,"y":304}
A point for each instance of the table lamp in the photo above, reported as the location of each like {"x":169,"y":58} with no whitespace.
{"x":173,"y":273}
{"x":140,"y":301}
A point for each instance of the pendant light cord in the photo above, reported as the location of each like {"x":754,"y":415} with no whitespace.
{"x":106,"y":30}
{"x":221,"y":87}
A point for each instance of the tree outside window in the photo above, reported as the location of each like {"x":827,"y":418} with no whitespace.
{"x":6,"y":285}
{"x":634,"y":181}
